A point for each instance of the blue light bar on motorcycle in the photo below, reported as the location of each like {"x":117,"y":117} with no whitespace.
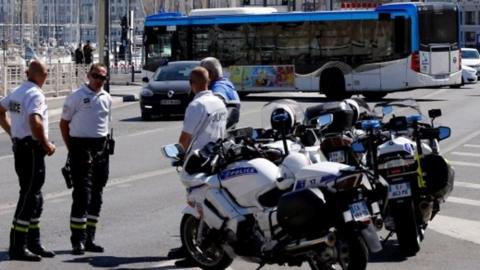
{"x":370,"y":124}
{"x":414,"y":118}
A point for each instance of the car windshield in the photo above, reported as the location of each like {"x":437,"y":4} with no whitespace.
{"x":179,"y":72}
{"x":470,"y":54}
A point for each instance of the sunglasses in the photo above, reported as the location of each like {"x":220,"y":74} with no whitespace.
{"x":97,"y":76}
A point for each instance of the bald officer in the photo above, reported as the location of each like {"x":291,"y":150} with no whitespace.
{"x":84,"y":126}
{"x":27,"y":125}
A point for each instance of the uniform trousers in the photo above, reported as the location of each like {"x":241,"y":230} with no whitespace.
{"x":30,"y":167}
{"x":89,"y":161}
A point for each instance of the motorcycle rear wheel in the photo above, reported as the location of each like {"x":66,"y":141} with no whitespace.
{"x":211,"y":257}
{"x":406,"y":227}
{"x":357,"y":254}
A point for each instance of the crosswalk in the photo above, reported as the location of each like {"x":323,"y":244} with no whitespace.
{"x":464,"y":221}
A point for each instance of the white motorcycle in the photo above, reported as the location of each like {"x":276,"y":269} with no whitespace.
{"x":239,"y":204}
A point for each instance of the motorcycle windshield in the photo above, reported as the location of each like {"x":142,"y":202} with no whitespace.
{"x":405,"y":107}
{"x":289,"y":105}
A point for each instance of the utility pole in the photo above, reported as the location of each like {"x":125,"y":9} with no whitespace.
{"x":131,"y":25}
{"x":103,"y":40}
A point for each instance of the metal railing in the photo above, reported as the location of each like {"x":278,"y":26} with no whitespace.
{"x":61,"y":80}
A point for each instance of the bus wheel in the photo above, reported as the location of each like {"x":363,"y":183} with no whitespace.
{"x":374,"y":95}
{"x":332,"y":84}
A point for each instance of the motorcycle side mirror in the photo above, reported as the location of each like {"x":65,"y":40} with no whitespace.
{"x":387,"y":110}
{"x":434,"y":113}
{"x":444,"y":133}
{"x":357,"y":147}
{"x":324,"y":120}
{"x":172,"y":151}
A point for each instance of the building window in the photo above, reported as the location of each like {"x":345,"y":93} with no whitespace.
{"x":469,"y":17}
{"x":469,"y":37}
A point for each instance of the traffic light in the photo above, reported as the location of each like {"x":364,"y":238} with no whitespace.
{"x":246,"y":2}
{"x":284,"y":2}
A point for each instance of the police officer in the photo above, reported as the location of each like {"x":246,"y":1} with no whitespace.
{"x":28,"y":128}
{"x":84,"y":126}
{"x":224,"y":88}
{"x":204,"y":122}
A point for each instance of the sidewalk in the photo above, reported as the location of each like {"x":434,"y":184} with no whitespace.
{"x":119,"y":93}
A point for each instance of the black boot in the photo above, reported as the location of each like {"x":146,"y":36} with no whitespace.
{"x":34,"y":244}
{"x":78,"y":241}
{"x":18,"y":247}
{"x":90,"y":243}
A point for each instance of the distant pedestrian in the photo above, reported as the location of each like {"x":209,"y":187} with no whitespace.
{"x":27,"y":126}
{"x":79,"y":55}
{"x":88,"y":53}
{"x":84,"y":126}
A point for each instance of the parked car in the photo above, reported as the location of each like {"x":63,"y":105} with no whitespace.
{"x":469,"y":75}
{"x":471,"y":58}
{"x":168,"y":91}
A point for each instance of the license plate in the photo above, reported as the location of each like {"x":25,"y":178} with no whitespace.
{"x":170,"y":102}
{"x":337,"y":156}
{"x":359,"y":211}
{"x":400,"y":190}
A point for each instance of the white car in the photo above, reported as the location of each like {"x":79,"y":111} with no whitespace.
{"x":471,"y":58}
{"x":469,"y":75}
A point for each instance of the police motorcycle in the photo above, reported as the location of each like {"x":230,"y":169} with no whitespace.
{"x":240,"y":204}
{"x":404,"y":150}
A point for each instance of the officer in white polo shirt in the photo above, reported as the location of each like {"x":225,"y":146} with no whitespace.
{"x":205,"y":121}
{"x":27,"y":125}
{"x":205,"y":117}
{"x":84,"y":126}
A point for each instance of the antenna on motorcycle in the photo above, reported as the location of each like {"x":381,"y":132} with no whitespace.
{"x":434,"y":113}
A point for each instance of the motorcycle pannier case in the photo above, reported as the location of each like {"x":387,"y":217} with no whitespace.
{"x":438,"y":175}
{"x":342,"y":115}
{"x":303,"y":212}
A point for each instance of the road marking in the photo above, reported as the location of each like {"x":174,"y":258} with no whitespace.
{"x":171,"y":264}
{"x":4,"y":208}
{"x":472,"y":145}
{"x":463,"y":201}
{"x":459,"y":228}
{"x":6,"y":157}
{"x":465,"y":154}
{"x":467,"y":185}
{"x":460,"y":142}
{"x":462,"y":163}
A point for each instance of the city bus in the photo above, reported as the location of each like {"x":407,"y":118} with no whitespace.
{"x":393,"y":47}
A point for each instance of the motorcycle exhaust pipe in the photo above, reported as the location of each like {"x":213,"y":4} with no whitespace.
{"x":330,"y":239}
{"x":371,"y":238}
{"x":426,"y":209}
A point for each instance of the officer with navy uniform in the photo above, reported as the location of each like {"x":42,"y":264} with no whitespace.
{"x":27,"y":125}
{"x":84,"y":126}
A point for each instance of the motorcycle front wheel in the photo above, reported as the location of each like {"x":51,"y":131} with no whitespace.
{"x":406,"y":227}
{"x":207,"y":254}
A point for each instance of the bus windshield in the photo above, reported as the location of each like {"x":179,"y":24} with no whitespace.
{"x":437,"y":26}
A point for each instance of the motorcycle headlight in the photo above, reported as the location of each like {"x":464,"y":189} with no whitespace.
{"x":146,"y":92}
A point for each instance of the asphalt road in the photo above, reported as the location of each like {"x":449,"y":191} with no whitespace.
{"x":143,"y":200}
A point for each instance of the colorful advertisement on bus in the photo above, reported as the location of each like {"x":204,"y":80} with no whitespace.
{"x":263,"y":76}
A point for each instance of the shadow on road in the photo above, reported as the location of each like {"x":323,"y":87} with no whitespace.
{"x":3,"y":256}
{"x":113,"y":262}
